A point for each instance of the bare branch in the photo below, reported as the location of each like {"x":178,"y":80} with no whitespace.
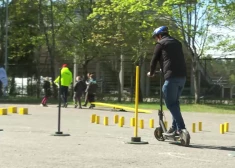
{"x":181,"y":23}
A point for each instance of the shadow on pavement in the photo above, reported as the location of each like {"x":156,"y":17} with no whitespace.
{"x":197,"y":146}
{"x":227,"y":148}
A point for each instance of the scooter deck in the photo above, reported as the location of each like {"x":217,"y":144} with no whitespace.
{"x":174,"y":138}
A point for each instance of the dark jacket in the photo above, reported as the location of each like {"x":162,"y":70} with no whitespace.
{"x":47,"y":88}
{"x":169,"y":53}
{"x":79,"y":87}
{"x":92,"y":87}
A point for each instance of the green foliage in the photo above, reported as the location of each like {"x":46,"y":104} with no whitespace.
{"x":190,"y":20}
{"x":22,"y":28}
{"x":126,"y":25}
{"x":2,"y":30}
{"x":92,"y":29}
{"x":74,"y":36}
{"x":223,"y":21}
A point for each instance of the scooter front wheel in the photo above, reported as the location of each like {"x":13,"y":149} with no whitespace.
{"x":158,"y":134}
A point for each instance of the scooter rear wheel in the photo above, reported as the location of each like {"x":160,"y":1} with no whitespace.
{"x":158,"y":134}
{"x":185,"y":138}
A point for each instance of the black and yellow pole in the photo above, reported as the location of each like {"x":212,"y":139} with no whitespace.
{"x":58,"y":132}
{"x":136,"y":139}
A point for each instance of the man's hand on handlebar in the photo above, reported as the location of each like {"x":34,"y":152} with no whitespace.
{"x":148,"y":74}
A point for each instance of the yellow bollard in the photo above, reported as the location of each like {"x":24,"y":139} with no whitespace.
{"x":23,"y":111}
{"x":166,"y":125}
{"x":106,"y":121}
{"x":200,"y":126}
{"x":93,"y":118}
{"x":151,"y":123}
{"x":12,"y":110}
{"x":97,"y":119}
{"x":221,"y":128}
{"x":226,"y":127}
{"x":115,"y":119}
{"x":121,"y":119}
{"x":141,"y":124}
{"x":132,"y":122}
{"x":193,"y":127}
{"x":3,"y":111}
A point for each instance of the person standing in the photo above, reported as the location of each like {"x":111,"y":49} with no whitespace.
{"x":66,"y":80}
{"x":91,"y":90}
{"x":169,"y":53}
{"x":87,"y":79}
{"x":79,"y":88}
{"x":47,"y":92}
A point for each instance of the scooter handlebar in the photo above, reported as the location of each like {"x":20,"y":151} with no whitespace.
{"x":158,"y":72}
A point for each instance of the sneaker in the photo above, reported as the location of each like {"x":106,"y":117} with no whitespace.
{"x":43,"y":105}
{"x":80,"y":107}
{"x":75,"y":106}
{"x":84,"y":105}
{"x":170,"y":132}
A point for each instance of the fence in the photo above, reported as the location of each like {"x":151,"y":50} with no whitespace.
{"x":27,"y":80}
{"x":222,"y":77}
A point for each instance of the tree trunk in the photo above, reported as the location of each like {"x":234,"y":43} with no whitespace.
{"x":37,"y":74}
{"x":119,"y":88}
{"x":84,"y":69}
{"x":140,"y":90}
{"x":51,"y":49}
{"x":52,"y":61}
{"x":1,"y":35}
{"x":12,"y":86}
{"x":196,"y":81}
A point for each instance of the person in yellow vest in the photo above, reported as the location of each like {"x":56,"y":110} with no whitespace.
{"x":66,"y":80}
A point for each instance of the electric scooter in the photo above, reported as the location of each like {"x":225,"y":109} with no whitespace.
{"x":183,"y":137}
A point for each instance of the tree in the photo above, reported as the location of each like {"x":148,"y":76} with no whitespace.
{"x":124,"y":26}
{"x":29,"y":34}
{"x":2,"y":30}
{"x":21,"y":34}
{"x":73,"y":39}
{"x":192,"y":20}
{"x":222,"y":37}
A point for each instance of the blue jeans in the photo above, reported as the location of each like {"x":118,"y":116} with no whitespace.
{"x":172,"y":90}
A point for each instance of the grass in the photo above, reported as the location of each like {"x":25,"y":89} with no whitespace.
{"x":203,"y":108}
{"x":206,"y":108}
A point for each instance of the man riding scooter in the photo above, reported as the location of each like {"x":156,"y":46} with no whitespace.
{"x":169,"y":53}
